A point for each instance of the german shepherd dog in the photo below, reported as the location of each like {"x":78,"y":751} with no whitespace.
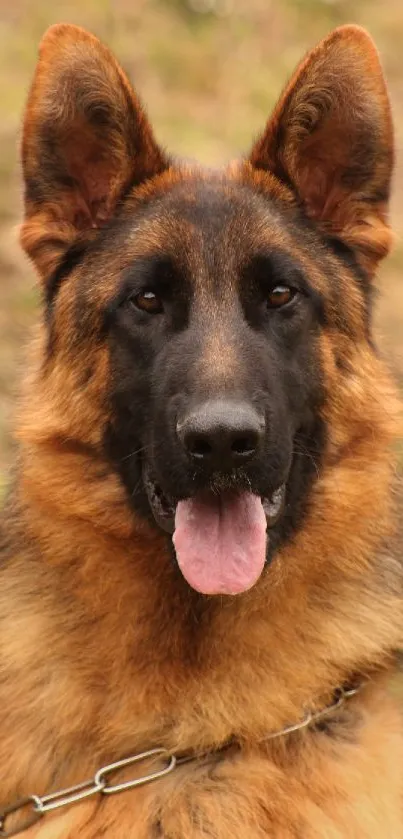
{"x":201,"y":601}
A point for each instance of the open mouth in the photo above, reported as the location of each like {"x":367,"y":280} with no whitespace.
{"x":220,"y":539}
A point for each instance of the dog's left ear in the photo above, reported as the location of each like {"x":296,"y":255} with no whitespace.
{"x":331,"y":139}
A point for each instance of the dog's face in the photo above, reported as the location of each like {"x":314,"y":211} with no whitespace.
{"x":204,"y":317}
{"x":215,"y":370}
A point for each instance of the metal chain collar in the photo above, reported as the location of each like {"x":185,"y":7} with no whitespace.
{"x":102,"y":783}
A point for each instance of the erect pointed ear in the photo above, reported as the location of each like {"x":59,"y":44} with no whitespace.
{"x":85,"y":139}
{"x":331,"y":139}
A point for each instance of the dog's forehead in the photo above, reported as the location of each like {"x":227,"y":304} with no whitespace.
{"x":207,"y":218}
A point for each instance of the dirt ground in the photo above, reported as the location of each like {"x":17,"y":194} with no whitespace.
{"x":209,"y":72}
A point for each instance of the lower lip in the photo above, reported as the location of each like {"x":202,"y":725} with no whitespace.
{"x":273,"y":508}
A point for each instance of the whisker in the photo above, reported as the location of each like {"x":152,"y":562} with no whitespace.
{"x":306,"y":453}
{"x":154,"y":447}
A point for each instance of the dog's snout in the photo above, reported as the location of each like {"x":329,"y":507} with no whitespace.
{"x":222,"y":433}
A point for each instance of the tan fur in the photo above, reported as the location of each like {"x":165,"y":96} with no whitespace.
{"x":104,"y":650}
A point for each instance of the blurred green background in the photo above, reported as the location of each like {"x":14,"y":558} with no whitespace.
{"x":209,"y":72}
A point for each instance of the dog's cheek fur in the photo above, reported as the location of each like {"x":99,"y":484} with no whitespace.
{"x":129,"y":396}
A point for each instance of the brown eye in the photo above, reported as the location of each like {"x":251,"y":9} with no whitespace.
{"x":148,"y":302}
{"x":279,"y":296}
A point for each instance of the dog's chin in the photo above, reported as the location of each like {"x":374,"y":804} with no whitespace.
{"x":163,"y":507}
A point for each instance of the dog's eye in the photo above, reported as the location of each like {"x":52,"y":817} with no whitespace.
{"x":148,"y":302}
{"x":279,"y":296}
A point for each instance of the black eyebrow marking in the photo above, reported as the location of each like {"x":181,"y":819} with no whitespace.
{"x":279,"y":265}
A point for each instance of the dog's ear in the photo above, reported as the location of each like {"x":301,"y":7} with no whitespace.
{"x":331,"y":139}
{"x":85,"y":139}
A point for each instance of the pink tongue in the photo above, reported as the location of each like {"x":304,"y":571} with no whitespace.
{"x":220,"y":542}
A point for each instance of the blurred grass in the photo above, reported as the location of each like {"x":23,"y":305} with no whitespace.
{"x":209,"y":72}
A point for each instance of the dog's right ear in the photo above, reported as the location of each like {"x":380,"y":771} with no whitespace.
{"x":85,"y":139}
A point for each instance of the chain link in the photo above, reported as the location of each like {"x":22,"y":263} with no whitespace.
{"x":103,"y":774}
{"x":54,"y":800}
{"x":37,"y":806}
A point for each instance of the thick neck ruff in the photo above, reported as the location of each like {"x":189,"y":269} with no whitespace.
{"x":34,"y":807}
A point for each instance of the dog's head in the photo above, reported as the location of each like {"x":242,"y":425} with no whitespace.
{"x":202,"y":327}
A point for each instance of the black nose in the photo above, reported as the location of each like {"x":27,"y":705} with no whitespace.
{"x":222,"y":433}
